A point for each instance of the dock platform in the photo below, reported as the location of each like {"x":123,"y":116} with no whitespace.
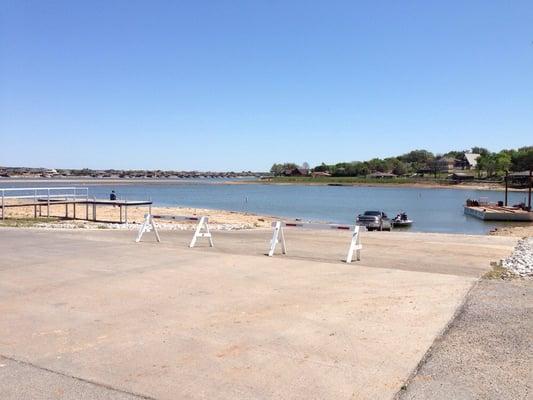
{"x":73,"y":198}
{"x":498,"y":213}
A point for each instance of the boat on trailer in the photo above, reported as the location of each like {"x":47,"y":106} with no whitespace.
{"x":402,"y":221}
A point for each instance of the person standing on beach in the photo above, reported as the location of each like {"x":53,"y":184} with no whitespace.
{"x":112,"y":195}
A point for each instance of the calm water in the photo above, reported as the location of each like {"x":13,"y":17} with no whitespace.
{"x":433,"y":210}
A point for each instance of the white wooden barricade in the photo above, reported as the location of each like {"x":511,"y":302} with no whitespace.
{"x":279,"y":237}
{"x":201,"y":231}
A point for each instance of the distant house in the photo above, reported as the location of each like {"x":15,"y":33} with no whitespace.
{"x":519,"y":179}
{"x":296,"y":172}
{"x":445,"y":164}
{"x":381,"y":175}
{"x":320,"y":173}
{"x":470,"y":161}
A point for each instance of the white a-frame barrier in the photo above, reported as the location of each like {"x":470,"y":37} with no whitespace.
{"x":201,"y":231}
{"x":279,"y":237}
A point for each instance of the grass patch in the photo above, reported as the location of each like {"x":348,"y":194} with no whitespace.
{"x":26,"y":222}
{"x":498,"y":271}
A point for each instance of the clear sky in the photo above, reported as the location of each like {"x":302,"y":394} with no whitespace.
{"x":233,"y":85}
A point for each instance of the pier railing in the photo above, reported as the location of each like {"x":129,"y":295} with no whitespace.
{"x":43,"y":195}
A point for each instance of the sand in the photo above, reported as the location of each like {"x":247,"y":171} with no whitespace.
{"x":229,"y":219}
{"x":520,"y":231}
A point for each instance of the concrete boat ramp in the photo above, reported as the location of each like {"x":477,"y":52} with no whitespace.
{"x":93,"y":315}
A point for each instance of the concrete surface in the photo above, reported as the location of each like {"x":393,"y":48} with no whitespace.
{"x":487,"y":353}
{"x":23,"y":381}
{"x":102,"y":313}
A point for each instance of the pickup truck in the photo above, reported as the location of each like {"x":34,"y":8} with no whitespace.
{"x":374,"y":220}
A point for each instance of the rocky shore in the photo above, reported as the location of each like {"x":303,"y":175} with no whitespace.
{"x":520,"y":262}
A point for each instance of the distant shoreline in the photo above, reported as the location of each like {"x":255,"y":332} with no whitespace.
{"x":237,"y":181}
{"x":411,"y":185}
{"x":119,"y":181}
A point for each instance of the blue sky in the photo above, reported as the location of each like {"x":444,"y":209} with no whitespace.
{"x":231,"y":85}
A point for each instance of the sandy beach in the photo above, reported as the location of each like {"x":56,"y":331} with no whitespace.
{"x":218,"y":219}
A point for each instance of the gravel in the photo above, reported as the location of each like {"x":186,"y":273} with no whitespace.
{"x":520,"y":262}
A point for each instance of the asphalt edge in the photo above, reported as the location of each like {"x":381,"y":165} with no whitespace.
{"x":458,"y":311}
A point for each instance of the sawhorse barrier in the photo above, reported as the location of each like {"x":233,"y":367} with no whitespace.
{"x":279,"y":236}
{"x":201,"y":231}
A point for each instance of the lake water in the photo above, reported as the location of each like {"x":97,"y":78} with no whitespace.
{"x":433,"y":210}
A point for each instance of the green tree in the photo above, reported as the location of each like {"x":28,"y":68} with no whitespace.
{"x":279,"y":169}
{"x":503,"y":163}
{"x":377,"y":165}
{"x":457,"y":154}
{"x":522,"y":159}
{"x":400,"y":168}
{"x":417,"y":156}
{"x":321,"y":168}
{"x":494,"y":163}
{"x":480,"y":150}
{"x":417,"y":159}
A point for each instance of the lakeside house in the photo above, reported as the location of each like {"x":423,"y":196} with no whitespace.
{"x":519,"y":179}
{"x":296,"y":172}
{"x":470,"y":160}
{"x":445,"y":164}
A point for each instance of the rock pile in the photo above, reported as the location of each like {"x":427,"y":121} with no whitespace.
{"x":521,"y":261}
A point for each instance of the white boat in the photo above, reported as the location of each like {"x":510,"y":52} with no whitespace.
{"x":402,"y":221}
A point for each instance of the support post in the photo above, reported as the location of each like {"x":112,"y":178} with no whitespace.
{"x":530,"y":183}
{"x":48,"y":205}
{"x":35,"y":204}
{"x":3,"y":206}
{"x":506,"y":187}
{"x":126,"y":213}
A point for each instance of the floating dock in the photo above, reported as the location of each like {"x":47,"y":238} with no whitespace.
{"x":499,"y":213}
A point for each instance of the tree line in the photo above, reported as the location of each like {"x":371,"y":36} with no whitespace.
{"x":489,"y":164}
